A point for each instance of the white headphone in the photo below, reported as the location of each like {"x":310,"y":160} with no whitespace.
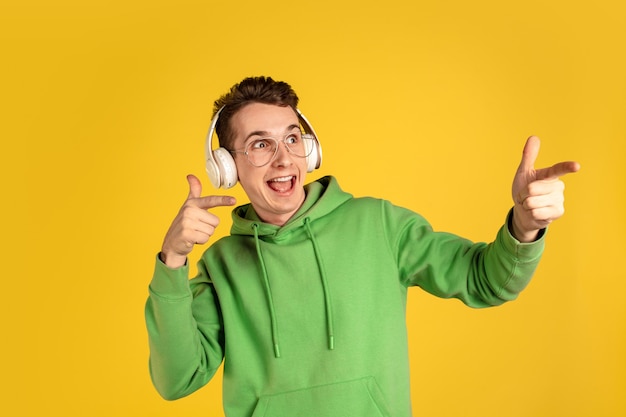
{"x":220,"y":164}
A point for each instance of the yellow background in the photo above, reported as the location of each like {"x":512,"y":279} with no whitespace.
{"x":105,"y":105}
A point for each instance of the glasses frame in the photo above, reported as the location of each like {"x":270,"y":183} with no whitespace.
{"x":303,"y":137}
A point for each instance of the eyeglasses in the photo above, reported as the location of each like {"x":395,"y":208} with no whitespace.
{"x":262,"y":151}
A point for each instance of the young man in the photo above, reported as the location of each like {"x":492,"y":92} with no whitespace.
{"x":305,"y":300}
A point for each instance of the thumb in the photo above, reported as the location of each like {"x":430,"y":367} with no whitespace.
{"x":529,"y":154}
{"x":195,"y":187}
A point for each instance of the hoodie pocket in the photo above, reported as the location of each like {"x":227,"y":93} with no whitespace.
{"x":361,"y":398}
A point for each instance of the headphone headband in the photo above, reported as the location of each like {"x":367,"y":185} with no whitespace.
{"x":210,"y":162}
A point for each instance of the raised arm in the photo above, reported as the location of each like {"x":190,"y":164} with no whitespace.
{"x":184,"y":323}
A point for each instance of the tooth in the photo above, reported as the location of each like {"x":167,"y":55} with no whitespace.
{"x":281,"y":179}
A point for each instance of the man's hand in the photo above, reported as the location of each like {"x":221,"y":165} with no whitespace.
{"x":193,"y":225}
{"x":537,"y":193}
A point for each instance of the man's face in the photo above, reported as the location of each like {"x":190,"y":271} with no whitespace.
{"x":275,"y":190}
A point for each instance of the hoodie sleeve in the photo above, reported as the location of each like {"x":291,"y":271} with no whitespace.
{"x":448,"y":266}
{"x":184,"y":330}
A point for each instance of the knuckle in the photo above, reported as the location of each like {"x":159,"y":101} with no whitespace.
{"x":186,"y":210}
{"x":187,"y":225}
{"x":533,"y":188}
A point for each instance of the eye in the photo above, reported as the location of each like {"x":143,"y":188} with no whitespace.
{"x":260,"y":145}
{"x":292,"y":139}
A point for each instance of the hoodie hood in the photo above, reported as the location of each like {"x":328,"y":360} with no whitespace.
{"x":322,"y":197}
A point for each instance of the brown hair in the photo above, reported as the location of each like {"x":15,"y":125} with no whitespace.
{"x":250,"y":90}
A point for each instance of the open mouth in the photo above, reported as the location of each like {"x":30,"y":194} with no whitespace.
{"x":282,"y":184}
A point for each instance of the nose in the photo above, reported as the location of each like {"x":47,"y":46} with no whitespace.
{"x":283,"y":155}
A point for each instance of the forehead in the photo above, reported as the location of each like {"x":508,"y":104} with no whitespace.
{"x":262,"y":118}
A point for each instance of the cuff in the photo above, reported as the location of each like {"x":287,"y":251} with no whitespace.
{"x":170,"y":282}
{"x":523,"y":251}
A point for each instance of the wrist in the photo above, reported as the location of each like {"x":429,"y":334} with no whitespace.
{"x":519,"y":232}
{"x":172,"y":260}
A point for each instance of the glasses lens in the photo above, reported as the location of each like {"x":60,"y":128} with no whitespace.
{"x":261,"y":151}
{"x":300,"y":146}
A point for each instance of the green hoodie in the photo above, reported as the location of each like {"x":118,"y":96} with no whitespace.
{"x":309,"y":317}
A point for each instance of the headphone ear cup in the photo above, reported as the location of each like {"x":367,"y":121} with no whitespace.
{"x":213,"y":172}
{"x":220,"y":164}
{"x":226,"y":168}
{"x":313,"y":160}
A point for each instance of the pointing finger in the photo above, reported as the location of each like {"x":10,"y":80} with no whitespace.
{"x":206,"y":202}
{"x":211,"y":201}
{"x":558,"y":170}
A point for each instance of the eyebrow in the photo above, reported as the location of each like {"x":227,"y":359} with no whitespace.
{"x":263,"y":133}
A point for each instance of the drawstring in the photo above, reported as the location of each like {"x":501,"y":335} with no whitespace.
{"x":268,"y":292}
{"x":327,"y":301}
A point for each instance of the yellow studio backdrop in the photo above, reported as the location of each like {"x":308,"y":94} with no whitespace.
{"x":105,"y":105}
